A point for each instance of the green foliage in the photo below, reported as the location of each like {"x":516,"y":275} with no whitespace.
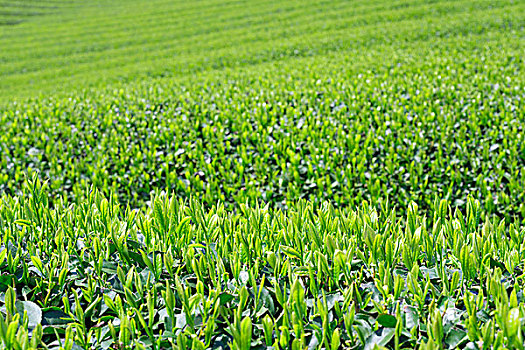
{"x":76,"y":44}
{"x":174,"y":275}
{"x":262,"y":175}
{"x":381,"y":100}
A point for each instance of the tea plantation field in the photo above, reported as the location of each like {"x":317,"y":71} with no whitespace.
{"x":243,"y":174}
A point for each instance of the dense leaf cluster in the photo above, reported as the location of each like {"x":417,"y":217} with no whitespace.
{"x":338,"y":136}
{"x":430,"y":107}
{"x":282,"y":175}
{"x":96,"y":276}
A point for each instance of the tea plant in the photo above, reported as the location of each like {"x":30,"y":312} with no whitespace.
{"x":340,"y":136}
{"x":243,"y":175}
{"x":270,"y":102}
{"x":174,"y":275}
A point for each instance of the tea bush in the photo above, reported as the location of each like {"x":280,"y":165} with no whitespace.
{"x":240,"y":174}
